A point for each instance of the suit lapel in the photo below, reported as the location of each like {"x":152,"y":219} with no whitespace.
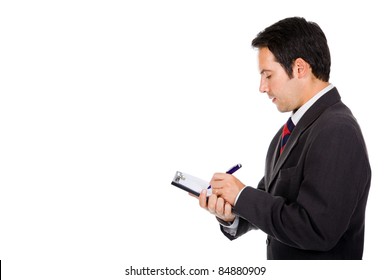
{"x":308,"y":118}
{"x":276,"y":152}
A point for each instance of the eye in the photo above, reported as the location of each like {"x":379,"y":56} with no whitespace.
{"x":266,"y":74}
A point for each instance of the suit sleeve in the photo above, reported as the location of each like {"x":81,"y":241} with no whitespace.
{"x":334,"y":175}
{"x":243,"y":225}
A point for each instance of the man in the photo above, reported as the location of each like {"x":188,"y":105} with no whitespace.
{"x":311,"y":201}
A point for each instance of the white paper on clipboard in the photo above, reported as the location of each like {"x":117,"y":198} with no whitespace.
{"x":190,"y":183}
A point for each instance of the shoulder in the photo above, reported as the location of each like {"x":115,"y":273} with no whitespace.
{"x":337,"y":128}
{"x":337,"y":117}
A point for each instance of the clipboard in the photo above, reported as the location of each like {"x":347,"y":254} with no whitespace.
{"x":190,"y":183}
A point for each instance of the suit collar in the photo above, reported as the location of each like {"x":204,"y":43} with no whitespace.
{"x":301,"y":111}
{"x":327,"y":100}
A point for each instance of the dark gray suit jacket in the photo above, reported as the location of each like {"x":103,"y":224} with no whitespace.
{"x":312,"y":199}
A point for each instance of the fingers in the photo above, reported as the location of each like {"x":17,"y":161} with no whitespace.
{"x":216,"y":206}
{"x":226,"y":186}
{"x":219,"y":176}
{"x":223,"y":210}
{"x":203,"y":199}
{"x":228,"y":209}
{"x":220,"y":207}
{"x":217,"y":183}
{"x":212,"y":203}
{"x":220,"y":180}
{"x":217,"y":180}
{"x":208,"y":203}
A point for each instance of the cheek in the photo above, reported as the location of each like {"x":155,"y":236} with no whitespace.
{"x":278,"y":89}
{"x":284,"y":88}
{"x":277,"y":83}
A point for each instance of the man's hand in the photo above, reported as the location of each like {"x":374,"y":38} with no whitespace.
{"x":217,"y":206}
{"x":226,"y":186}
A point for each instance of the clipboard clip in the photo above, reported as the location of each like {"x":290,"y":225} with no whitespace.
{"x":179,"y":176}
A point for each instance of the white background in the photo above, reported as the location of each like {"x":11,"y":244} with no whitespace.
{"x":102,"y":101}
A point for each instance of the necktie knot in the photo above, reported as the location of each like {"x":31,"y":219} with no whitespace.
{"x":287,"y":130}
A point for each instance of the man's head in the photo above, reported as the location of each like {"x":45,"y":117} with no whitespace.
{"x":294,"y":61}
{"x":293,"y":38}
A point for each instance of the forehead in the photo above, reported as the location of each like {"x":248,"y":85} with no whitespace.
{"x":267,"y":60}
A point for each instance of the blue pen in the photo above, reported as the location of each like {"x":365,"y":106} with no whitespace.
{"x":231,"y":170}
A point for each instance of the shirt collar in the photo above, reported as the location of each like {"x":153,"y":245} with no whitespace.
{"x":295,"y":117}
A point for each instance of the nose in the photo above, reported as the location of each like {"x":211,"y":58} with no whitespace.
{"x":263,"y":86}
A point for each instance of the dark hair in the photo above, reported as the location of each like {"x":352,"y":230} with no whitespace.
{"x":293,"y":38}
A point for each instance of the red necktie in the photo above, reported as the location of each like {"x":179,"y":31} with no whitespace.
{"x":287,"y":129}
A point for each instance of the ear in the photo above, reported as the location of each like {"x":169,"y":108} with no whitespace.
{"x":301,"y":68}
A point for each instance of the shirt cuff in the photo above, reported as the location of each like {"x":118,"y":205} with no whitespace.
{"x":230,"y":227}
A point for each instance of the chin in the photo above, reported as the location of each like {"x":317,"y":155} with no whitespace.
{"x":280,"y":109}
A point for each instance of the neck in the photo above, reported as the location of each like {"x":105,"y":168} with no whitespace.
{"x":315,"y":87}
